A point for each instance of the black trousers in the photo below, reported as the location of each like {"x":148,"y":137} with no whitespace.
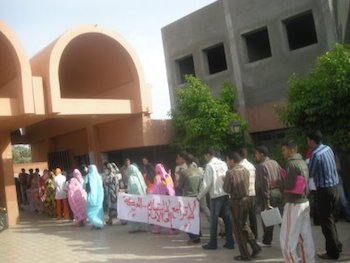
{"x":328,"y":197}
{"x":252,"y":216}
{"x":276,"y":200}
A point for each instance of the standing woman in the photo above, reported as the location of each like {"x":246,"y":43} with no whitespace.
{"x":50,"y":202}
{"x":137,"y":186}
{"x":111,"y":185}
{"x":77,"y":197}
{"x":95,"y":195}
{"x":163,"y":185}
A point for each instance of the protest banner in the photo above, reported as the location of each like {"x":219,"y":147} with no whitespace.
{"x":169,"y":211}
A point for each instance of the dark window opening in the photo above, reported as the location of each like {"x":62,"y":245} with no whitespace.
{"x":301,"y":31}
{"x":186,"y":67}
{"x":258,"y":44}
{"x":216,"y":59}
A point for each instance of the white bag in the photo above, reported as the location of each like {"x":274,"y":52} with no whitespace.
{"x":271,"y":217}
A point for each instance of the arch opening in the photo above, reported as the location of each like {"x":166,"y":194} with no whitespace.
{"x":96,"y":66}
{"x":9,"y":69}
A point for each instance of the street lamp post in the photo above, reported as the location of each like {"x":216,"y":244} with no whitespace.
{"x":236,"y":128}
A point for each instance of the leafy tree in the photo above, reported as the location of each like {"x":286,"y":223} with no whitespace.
{"x":201,"y":121}
{"x":321,"y":99}
{"x":21,"y":154}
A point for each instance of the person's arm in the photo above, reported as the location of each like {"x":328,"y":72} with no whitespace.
{"x":207,"y":182}
{"x":312,"y":166}
{"x":227,"y":186}
{"x":291,"y":175}
{"x":264,"y":185}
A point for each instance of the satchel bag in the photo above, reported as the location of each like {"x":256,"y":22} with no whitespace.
{"x":299,"y":184}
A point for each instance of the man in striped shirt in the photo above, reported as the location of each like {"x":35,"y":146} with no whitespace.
{"x":268,"y":187}
{"x":322,"y":168}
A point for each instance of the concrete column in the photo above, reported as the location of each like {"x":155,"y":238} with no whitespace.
{"x":93,"y":146}
{"x":8,"y":196}
{"x":235,"y":60}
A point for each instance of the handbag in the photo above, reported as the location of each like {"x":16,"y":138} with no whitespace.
{"x":271,"y":217}
{"x":299,"y":184}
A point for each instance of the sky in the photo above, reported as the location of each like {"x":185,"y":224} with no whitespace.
{"x":38,"y":22}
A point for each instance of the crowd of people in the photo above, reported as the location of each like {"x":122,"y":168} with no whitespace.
{"x":229,"y":193}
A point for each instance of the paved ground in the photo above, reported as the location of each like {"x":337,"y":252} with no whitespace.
{"x":39,"y":239}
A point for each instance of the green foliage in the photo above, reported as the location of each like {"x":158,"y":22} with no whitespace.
{"x":321,"y":99}
{"x":21,"y":154}
{"x":201,"y":121}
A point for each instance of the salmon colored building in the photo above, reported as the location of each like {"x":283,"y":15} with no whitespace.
{"x":77,"y":100}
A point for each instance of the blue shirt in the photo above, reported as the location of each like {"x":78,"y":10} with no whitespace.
{"x":322,"y":167}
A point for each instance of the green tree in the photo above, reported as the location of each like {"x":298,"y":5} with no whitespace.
{"x":21,"y":154}
{"x":201,"y":120}
{"x":320,"y":100}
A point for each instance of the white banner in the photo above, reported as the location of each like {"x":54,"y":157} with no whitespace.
{"x":169,"y":211}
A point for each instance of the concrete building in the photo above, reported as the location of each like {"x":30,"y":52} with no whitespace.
{"x":256,"y":45}
{"x":82,"y":99}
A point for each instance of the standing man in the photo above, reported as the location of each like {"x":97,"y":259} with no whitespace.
{"x":23,"y":178}
{"x":252,"y":210}
{"x":237,"y":185}
{"x":268,"y":187}
{"x":296,"y":224}
{"x":323,"y":170}
{"x":213,"y":181}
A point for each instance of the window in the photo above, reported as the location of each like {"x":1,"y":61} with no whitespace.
{"x":186,"y":67}
{"x":216,"y":59}
{"x":301,"y":30}
{"x":258,"y":44}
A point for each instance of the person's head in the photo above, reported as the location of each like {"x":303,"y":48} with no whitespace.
{"x":45,"y":173}
{"x":159,"y":169}
{"x":51,"y":175}
{"x":288,"y":149}
{"x":105,"y":164}
{"x":84,"y":169}
{"x":127,"y":162}
{"x":93,"y":170}
{"x":181,"y":158}
{"x":243,"y":152}
{"x":314,"y":138}
{"x":209,"y":154}
{"x":190,"y":159}
{"x":77,"y":175}
{"x":232,"y":159}
{"x":37,"y":170}
{"x":58,"y":171}
{"x":145,"y":161}
{"x":23,"y":170}
{"x":261,"y":152}
{"x":31,"y":170}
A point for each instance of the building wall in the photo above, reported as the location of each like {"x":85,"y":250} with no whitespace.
{"x":80,"y":97}
{"x":261,"y":84}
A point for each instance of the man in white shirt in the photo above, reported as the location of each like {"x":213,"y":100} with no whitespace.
{"x":213,"y":181}
{"x":61,"y":195}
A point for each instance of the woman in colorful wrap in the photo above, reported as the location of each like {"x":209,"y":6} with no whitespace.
{"x":111,"y":185}
{"x":135,"y":185}
{"x":95,"y":195}
{"x":163,"y":185}
{"x":50,"y":202}
{"x":77,"y":197}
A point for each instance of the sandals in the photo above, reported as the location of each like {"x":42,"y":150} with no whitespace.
{"x":240,"y":258}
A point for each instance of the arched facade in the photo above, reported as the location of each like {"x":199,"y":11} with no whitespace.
{"x":88,"y":97}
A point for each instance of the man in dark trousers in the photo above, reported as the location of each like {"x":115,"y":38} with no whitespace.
{"x":236,"y":184}
{"x":322,"y":168}
{"x":268,"y":187}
